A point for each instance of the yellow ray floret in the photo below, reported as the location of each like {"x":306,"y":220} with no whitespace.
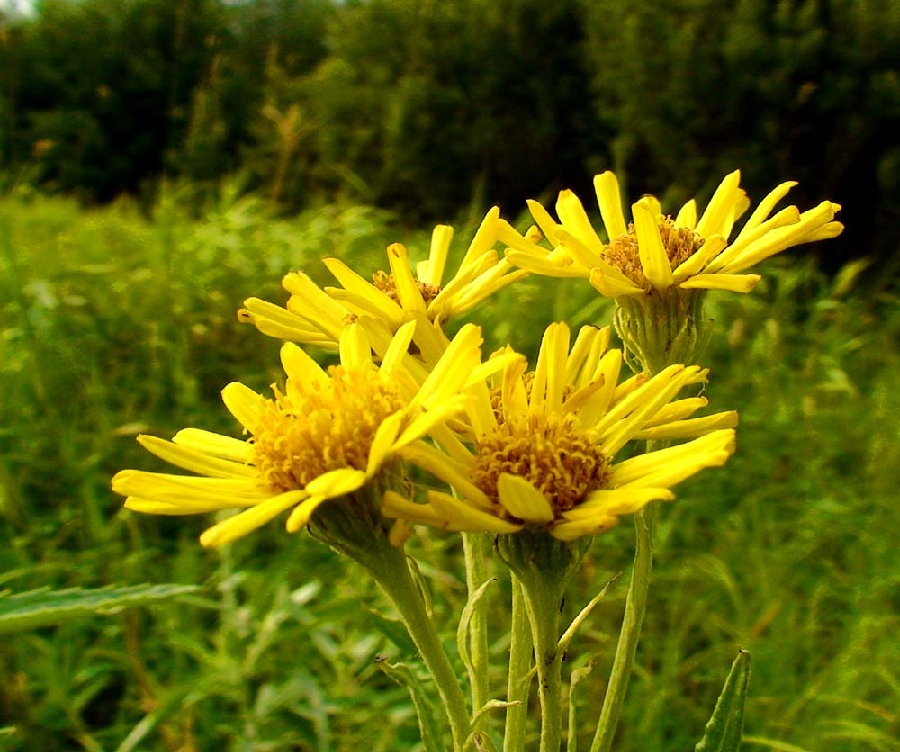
{"x":655,"y":252}
{"x":315,"y":315}
{"x":328,"y":434}
{"x":541,"y":446}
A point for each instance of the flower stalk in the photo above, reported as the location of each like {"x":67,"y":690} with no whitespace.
{"x":630,"y":634}
{"x":476,"y":575}
{"x":519,"y":678}
{"x":544,"y":566}
{"x":355,"y":530}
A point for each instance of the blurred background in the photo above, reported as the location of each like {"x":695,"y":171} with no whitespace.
{"x":424,"y":107}
{"x":162,"y":160}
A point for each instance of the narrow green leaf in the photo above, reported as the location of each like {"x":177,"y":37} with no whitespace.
{"x":566,"y":639}
{"x":724,"y":730}
{"x":43,"y":607}
{"x":463,"y":631}
{"x":577,"y":676}
{"x":393,"y":629}
{"x":429,"y":726}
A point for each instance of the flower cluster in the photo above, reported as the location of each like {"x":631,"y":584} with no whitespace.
{"x":413,"y":427}
{"x":508,"y":448}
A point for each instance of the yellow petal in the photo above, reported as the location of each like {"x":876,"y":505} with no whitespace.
{"x":666,"y":467}
{"x":281,"y":323}
{"x":575,"y":220}
{"x":610,"y":201}
{"x":407,"y":289}
{"x":300,"y":366}
{"x":243,"y":403}
{"x":355,"y":350}
{"x":485,"y":237}
{"x":508,"y":235}
{"x":677,"y":410}
{"x":589,"y":346}
{"x":394,"y":505}
{"x":695,"y":263}
{"x":615,"y":502}
{"x":431,"y":272}
{"x":398,"y":349}
{"x":550,"y":370}
{"x":582,"y":253}
{"x":547,"y":224}
{"x":731,"y":282}
{"x":312,"y":303}
{"x":687,"y":215}
{"x":189,"y":491}
{"x":429,"y":337}
{"x":486,"y":284}
{"x":689,"y":428}
{"x":466,"y":518}
{"x":303,"y":512}
{"x":654,"y":259}
{"x":248,"y":521}
{"x":226,"y":447}
{"x":354,"y":283}
{"x":327,"y":486}
{"x":547,"y":265}
{"x":720,"y":213}
{"x":523,"y":500}
{"x":607,"y":375}
{"x":441,"y":466}
{"x":631,"y":413}
{"x":336,"y":483}
{"x":609,"y":281}
{"x":383,"y":442}
{"x":784,"y":237}
{"x":194,"y":460}
{"x":762,"y":212}
{"x":424,"y":423}
{"x":570,"y":530}
{"x":180,"y":508}
{"x":784,"y":218}
{"x":451,"y":372}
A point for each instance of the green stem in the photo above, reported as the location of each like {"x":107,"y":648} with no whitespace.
{"x":476,"y":576}
{"x":355,"y":528}
{"x":544,"y":566}
{"x":635,"y":606}
{"x":517,"y":687}
{"x":391,"y":572}
{"x":544,"y":618}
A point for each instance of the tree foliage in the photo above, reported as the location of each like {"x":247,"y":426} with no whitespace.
{"x":428,"y":107}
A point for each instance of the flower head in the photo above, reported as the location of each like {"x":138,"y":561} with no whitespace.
{"x":327,"y":435}
{"x":317,"y":316}
{"x":656,"y":252}
{"x":542,"y":445}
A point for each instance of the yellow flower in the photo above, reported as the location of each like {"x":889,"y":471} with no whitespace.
{"x":543,"y":444}
{"x":317,"y":316}
{"x":328,"y":435}
{"x":656,"y":252}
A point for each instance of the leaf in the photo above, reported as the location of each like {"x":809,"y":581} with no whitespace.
{"x":465,"y":620}
{"x":429,"y":726}
{"x":577,"y":676}
{"x":393,"y":630}
{"x":566,"y":639}
{"x":43,"y":607}
{"x":724,"y":730}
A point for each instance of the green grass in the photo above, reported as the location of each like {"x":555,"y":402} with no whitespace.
{"x":114,"y":324}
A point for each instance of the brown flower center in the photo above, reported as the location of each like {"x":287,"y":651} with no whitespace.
{"x":302,"y":436}
{"x":560,"y":461}
{"x":622,"y":252}
{"x":385,"y":282}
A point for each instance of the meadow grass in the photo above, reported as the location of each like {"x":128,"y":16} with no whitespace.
{"x":115,"y":324}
